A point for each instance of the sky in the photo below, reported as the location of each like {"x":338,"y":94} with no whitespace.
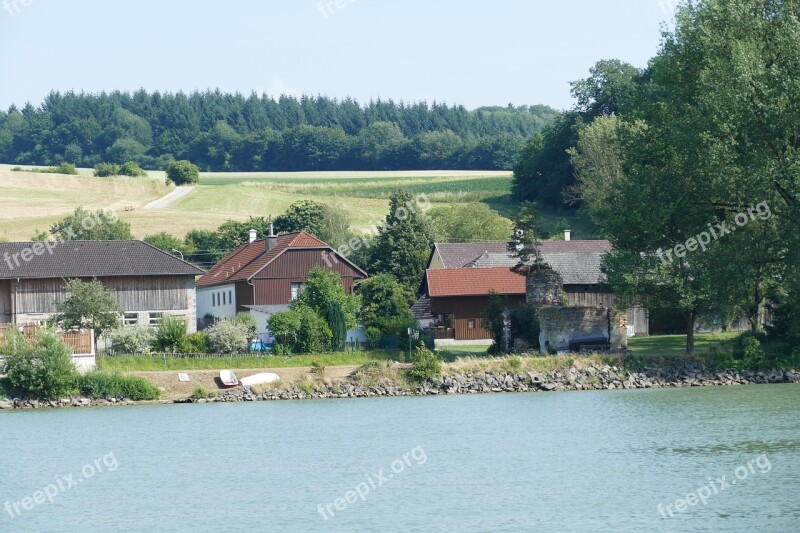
{"x":466,"y":52}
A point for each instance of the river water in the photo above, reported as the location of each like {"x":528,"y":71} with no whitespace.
{"x":699,"y":459}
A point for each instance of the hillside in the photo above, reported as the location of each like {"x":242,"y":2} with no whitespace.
{"x":37,"y":200}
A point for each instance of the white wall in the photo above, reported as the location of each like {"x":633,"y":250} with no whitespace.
{"x":263,"y":332}
{"x":205,"y":301}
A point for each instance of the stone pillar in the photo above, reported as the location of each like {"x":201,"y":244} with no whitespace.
{"x":543,"y":286}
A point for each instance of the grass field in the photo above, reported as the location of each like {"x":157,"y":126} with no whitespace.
{"x":129,"y":364}
{"x":675,"y":344}
{"x":34,"y":201}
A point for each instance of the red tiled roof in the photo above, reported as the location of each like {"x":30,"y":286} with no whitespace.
{"x":473,"y":282}
{"x":246,"y":260}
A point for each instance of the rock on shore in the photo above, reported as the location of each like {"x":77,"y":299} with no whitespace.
{"x":595,"y":377}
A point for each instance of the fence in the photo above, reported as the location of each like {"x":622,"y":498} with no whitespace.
{"x":81,"y":341}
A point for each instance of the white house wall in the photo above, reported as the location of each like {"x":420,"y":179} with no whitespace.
{"x":205,"y":301}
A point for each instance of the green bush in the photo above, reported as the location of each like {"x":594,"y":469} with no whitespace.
{"x":301,"y":330}
{"x":195,"y":343}
{"x":170,"y":333}
{"x":132,"y":339}
{"x":249,"y":322}
{"x":132,"y":170}
{"x":228,"y":337}
{"x":183,"y":173}
{"x":114,"y":385}
{"x":105,"y":170}
{"x":63,"y":168}
{"x":318,"y":368}
{"x":525,"y":324}
{"x":200,"y":393}
{"x":45,"y":370}
{"x":425,"y":365}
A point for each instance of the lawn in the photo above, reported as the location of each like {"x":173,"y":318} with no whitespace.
{"x":675,"y":344}
{"x":155,"y":363}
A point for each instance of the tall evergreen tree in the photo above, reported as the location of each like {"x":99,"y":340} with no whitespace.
{"x":404,"y":241}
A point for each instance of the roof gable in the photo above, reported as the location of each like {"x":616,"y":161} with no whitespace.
{"x":249,"y":259}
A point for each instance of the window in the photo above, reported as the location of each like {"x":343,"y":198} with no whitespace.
{"x":130,"y":319}
{"x":155,"y":318}
{"x":297,"y":289}
{"x":213,"y":299}
{"x":230,"y":297}
{"x":224,"y":299}
{"x":471,"y":323}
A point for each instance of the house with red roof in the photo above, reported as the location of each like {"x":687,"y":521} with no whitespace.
{"x":460,"y":276}
{"x":264,"y":276}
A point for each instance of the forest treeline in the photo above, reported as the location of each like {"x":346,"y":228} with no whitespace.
{"x":233,"y":132}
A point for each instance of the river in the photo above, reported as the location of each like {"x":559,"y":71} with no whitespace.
{"x":698,"y":459}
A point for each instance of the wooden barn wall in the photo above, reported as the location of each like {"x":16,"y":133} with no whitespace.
{"x":273,"y":285}
{"x":135,"y":293}
{"x":464,"y":308}
{"x":5,"y":302}
{"x":585,"y":295}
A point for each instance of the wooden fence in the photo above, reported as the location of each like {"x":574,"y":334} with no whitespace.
{"x":81,"y":341}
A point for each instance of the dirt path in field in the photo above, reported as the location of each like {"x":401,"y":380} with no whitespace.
{"x":207,"y":379}
{"x":174,"y":196}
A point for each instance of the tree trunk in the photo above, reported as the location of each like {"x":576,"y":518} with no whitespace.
{"x":755,"y":318}
{"x":691,"y":318}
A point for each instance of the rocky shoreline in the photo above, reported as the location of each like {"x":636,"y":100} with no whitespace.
{"x":595,"y":377}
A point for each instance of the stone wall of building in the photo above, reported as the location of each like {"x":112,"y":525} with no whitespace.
{"x":562,"y":325}
{"x":543,"y":286}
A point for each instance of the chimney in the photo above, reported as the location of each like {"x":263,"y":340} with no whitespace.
{"x":253,"y":235}
{"x":567,"y":234}
{"x":272,"y":239}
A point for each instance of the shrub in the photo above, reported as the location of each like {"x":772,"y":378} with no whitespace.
{"x":45,"y":370}
{"x":132,"y":340}
{"x":183,"y":172}
{"x":305,"y":385}
{"x":337,"y":322}
{"x":373,"y":335}
{"x":114,"y":385}
{"x":318,"y":368}
{"x":228,"y":336}
{"x":131,"y":169}
{"x":301,"y":330}
{"x":105,"y":170}
{"x":194,"y":343}
{"x":170,"y":333}
{"x":199,"y":393}
{"x":426,"y":365}
{"x":63,"y":168}
{"x":249,"y":322}
{"x":525,"y":324}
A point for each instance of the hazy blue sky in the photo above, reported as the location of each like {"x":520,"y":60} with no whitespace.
{"x":469,"y":52}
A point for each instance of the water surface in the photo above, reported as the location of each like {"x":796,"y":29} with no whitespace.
{"x":575,"y":461}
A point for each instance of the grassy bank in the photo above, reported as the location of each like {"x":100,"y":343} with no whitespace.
{"x":155,"y":364}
